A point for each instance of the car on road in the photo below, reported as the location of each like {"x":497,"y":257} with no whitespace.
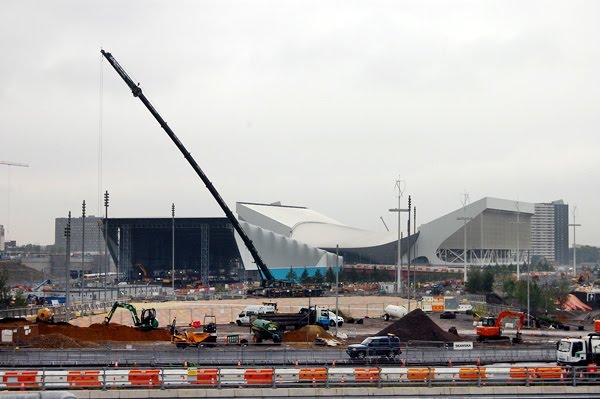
{"x":388,"y":346}
{"x":448,"y":315}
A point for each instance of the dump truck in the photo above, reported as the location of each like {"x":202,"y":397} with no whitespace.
{"x":315,"y":315}
{"x":188,"y":338}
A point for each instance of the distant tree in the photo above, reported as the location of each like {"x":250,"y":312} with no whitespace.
{"x":5,"y":295}
{"x":474,"y":281}
{"x":330,"y":275}
{"x":291,"y":276}
{"x":318,"y":277}
{"x":487,"y":281}
{"x":304,"y":277}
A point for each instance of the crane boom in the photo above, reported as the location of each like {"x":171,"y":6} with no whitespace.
{"x":24,"y":165}
{"x":137,"y":92}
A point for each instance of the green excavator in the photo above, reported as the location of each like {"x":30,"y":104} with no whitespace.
{"x":146,"y":322}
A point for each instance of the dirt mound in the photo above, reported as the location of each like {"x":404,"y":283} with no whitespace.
{"x":306,"y":334}
{"x":59,"y":341}
{"x":417,"y":326}
{"x":102,"y":332}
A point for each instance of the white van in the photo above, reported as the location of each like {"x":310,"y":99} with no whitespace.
{"x":253,"y":312}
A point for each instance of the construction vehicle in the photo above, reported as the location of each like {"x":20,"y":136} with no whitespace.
{"x":265,"y":330}
{"x":270,"y":285}
{"x":583,"y":278}
{"x":45,"y":315}
{"x":188,"y":338}
{"x":394,"y":311}
{"x":210,"y":324}
{"x":579,"y":351}
{"x":491,"y":327}
{"x":146,"y":322}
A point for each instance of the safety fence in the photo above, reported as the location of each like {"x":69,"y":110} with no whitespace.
{"x":218,"y":378}
{"x":266,"y":355}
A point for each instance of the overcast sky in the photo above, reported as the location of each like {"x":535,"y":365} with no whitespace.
{"x":314,"y":103}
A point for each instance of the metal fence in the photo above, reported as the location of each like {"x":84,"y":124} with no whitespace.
{"x":266,"y":355}
{"x":220,"y":378}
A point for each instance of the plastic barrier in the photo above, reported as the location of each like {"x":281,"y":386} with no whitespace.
{"x":147,"y":378}
{"x":21,"y":379}
{"x":472,"y":373}
{"x":259,"y":376}
{"x":550,"y":373}
{"x":84,"y":379}
{"x":233,"y":377}
{"x":419,"y":373}
{"x":370,"y":374}
{"x":519,"y":373}
{"x":203,"y":377}
{"x":313,"y":375}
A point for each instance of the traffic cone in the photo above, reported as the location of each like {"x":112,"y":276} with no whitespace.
{"x":342,"y":379}
{"x":450,"y":361}
{"x":478,"y":361}
{"x":404,"y":362}
{"x":296,"y":362}
{"x":185,"y":364}
{"x":239,"y":363}
{"x":116,"y":363}
{"x":333,"y":363}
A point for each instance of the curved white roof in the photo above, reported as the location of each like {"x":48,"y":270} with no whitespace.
{"x":310,"y":227}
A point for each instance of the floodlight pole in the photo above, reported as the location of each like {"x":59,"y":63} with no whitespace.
{"x":399,"y":266}
{"x":68,"y":266}
{"x":337,"y":287}
{"x":81,"y":280}
{"x":518,"y":223}
{"x":465,"y":219}
{"x":574,"y":225}
{"x":173,"y":247}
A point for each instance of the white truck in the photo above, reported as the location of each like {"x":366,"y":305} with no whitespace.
{"x":394,"y":312}
{"x":578,"y":351}
{"x":253,"y":312}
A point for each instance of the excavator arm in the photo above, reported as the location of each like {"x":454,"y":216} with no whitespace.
{"x":117,"y":305}
{"x":266,"y":275}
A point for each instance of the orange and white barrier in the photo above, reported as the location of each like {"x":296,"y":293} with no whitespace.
{"x":313,"y":376}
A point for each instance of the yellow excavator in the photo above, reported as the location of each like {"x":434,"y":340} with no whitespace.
{"x":583,"y":278}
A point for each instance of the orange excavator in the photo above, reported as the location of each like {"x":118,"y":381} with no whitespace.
{"x":491,"y":327}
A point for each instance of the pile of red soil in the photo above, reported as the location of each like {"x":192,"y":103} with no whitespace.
{"x":417,"y":326}
{"x":59,"y":341}
{"x":306,"y":334}
{"x":102,"y":332}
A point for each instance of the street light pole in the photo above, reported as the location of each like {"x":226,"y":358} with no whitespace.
{"x":574,"y":225}
{"x":465,"y":219}
{"x":518,"y":223}
{"x":400,"y":188}
{"x":106,"y":262}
